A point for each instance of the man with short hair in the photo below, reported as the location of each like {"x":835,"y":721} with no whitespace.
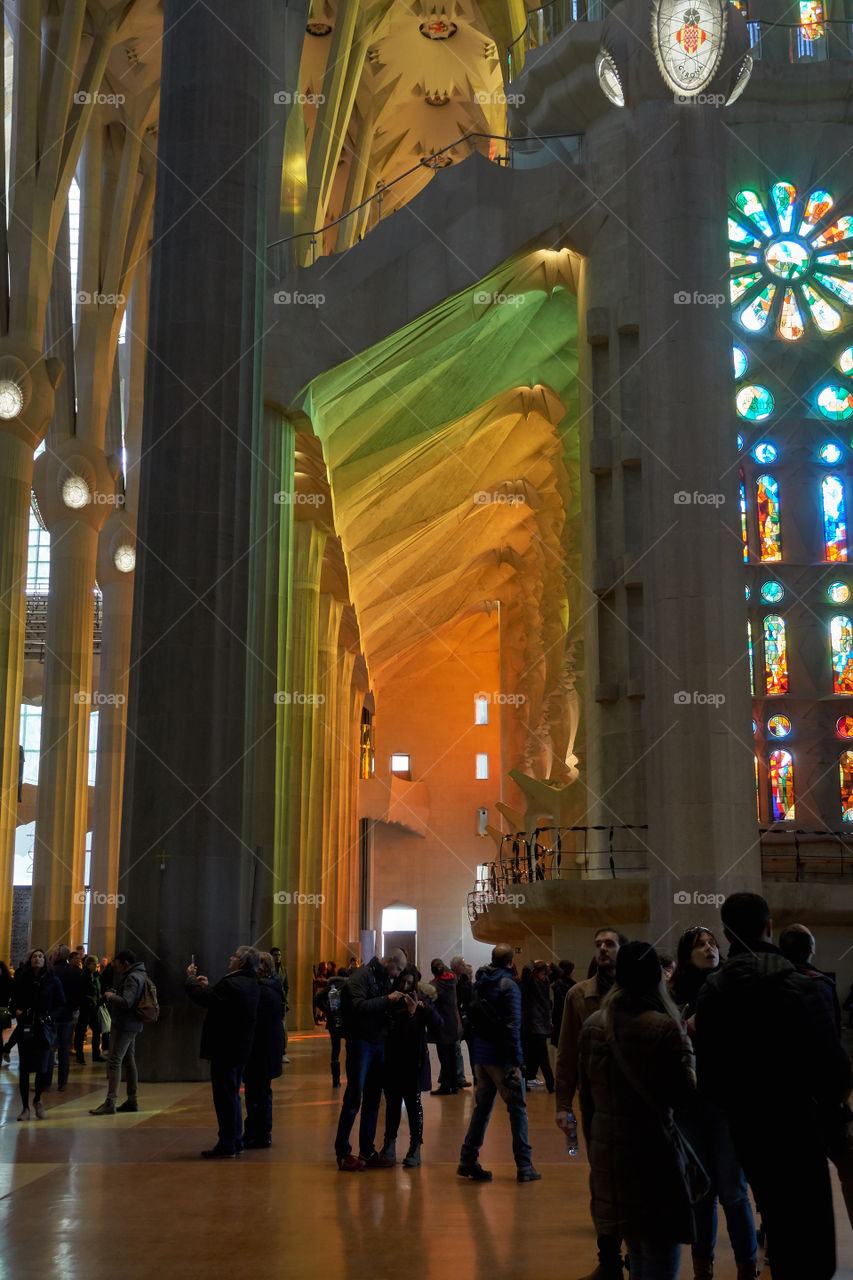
{"x":71,"y":981}
{"x":583,"y":1000}
{"x":126,"y":1025}
{"x":495,"y":1014}
{"x":367,"y":1000}
{"x":281,"y":974}
{"x":226,"y":1041}
{"x":464,"y":986}
{"x":768,"y":1053}
{"x":797,"y":944}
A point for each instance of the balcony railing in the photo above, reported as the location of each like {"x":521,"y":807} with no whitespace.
{"x":36,"y":631}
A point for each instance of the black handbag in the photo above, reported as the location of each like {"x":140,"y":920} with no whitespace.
{"x":690,"y":1168}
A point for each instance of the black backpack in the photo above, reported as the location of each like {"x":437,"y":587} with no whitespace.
{"x":483,"y":1017}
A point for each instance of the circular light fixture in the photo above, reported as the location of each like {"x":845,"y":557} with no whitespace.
{"x":76,"y":492}
{"x":779,"y":726}
{"x":688,"y":41}
{"x":438,"y":29}
{"x":830,"y":453}
{"x":788,"y":259}
{"x":608,"y":78}
{"x":318,"y":28}
{"x":838,"y":592}
{"x":772,"y":592}
{"x":124,"y":558}
{"x":835,"y":403}
{"x":11,"y":399}
{"x":765,"y":453}
{"x":754,"y":403}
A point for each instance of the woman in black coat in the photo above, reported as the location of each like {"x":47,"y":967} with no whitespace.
{"x":37,"y":994}
{"x":407,"y":1069}
{"x":449,"y":1029}
{"x":264,"y":1064}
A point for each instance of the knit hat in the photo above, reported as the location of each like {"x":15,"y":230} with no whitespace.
{"x":638,"y":969}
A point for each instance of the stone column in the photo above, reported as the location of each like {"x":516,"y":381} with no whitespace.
{"x":185,"y":870}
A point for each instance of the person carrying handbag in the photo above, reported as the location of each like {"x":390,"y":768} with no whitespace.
{"x":36,"y":996}
{"x":636,"y":1067}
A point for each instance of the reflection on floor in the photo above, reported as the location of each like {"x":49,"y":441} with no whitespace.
{"x":89,"y":1198}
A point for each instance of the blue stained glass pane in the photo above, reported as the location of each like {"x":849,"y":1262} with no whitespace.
{"x":765,"y":452}
{"x":740,"y":361}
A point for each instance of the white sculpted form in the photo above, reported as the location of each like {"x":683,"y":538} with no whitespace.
{"x":688,"y":38}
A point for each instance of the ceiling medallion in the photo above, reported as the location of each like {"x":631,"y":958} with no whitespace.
{"x":437,"y":99}
{"x":688,"y":38}
{"x":438,"y":29}
{"x":318,"y":28}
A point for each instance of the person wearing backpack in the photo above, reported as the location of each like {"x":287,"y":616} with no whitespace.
{"x":126,"y":1025}
{"x":494,"y":1014}
{"x":330,"y":1002}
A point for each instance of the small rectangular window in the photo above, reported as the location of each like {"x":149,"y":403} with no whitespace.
{"x":481,"y":709}
{"x":401,"y":764}
{"x":482,"y":765}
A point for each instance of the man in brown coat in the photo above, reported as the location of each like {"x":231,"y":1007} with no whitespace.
{"x":583,"y":1000}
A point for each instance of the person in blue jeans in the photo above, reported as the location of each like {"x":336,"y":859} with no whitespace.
{"x":706,"y":1127}
{"x":495,"y":1020}
{"x":367,"y":1002}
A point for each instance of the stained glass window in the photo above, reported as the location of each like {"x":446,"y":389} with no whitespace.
{"x":838,"y":592}
{"x":740,"y":284}
{"x":819,"y":204}
{"x":844,"y":727}
{"x":754,"y":314}
{"x":834,"y":518}
{"x":739,"y":442}
{"x":825,"y":317}
{"x":772,"y":592}
{"x":769,"y":525}
{"x":791,"y":323}
{"x":765,"y":452}
{"x":749,"y":203}
{"x":740,"y":361}
{"x":841,"y":640}
{"x":784,"y":198}
{"x":788,"y":259}
{"x":811,"y":19}
{"x":845,"y":771}
{"x":754,"y":403}
{"x":835,"y":403}
{"x":757,"y":792}
{"x":775,"y":656}
{"x":779,"y":726}
{"x":743,"y":531}
{"x":842,"y":289}
{"x":840,"y":230}
{"x":781,"y":786}
{"x":845,"y":361}
{"x":751,"y":653}
{"x":830,"y":453}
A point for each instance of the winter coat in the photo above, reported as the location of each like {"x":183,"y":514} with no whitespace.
{"x":636,"y":1189}
{"x":766,"y":1044}
{"x":535,"y":1003}
{"x":71,"y":981}
{"x":559,"y":994}
{"x":582,"y":1002}
{"x":39,"y":998}
{"x":407,"y":1065}
{"x":366,"y":1003}
{"x":232,"y":1010}
{"x":464,"y":988}
{"x":91,"y":990}
{"x":122,"y":1005}
{"x":501,"y":1048}
{"x":268,"y":1040}
{"x":449,"y":1026}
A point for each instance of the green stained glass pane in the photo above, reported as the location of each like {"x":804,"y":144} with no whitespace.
{"x":830,"y":453}
{"x":839,"y":593}
{"x":788,"y":259}
{"x":755,"y":314}
{"x":841,"y":642}
{"x":775,"y":656}
{"x":791,"y":324}
{"x":845,"y":361}
{"x":842,"y":289}
{"x":740,"y":284}
{"x":742,"y":259}
{"x":819,"y":204}
{"x":835,"y":403}
{"x":828,"y":259}
{"x":772,"y":592}
{"x":839,"y":230}
{"x":740,"y":235}
{"x":754,"y":403}
{"x":784,"y":197}
{"x":825,"y":317}
{"x":749,"y":203}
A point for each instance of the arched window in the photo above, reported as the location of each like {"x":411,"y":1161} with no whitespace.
{"x":841,"y":639}
{"x":775,"y":655}
{"x":769,"y":526}
{"x":781,"y":786}
{"x":743,"y":532}
{"x":845,"y":770}
{"x":757,"y":792}
{"x":834,"y":518}
{"x":751,"y":659}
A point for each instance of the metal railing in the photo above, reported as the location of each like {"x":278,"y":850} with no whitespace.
{"x":551,"y":853}
{"x":776,"y":42}
{"x":281,"y":252}
{"x":783,"y":857}
{"x":35,"y":640}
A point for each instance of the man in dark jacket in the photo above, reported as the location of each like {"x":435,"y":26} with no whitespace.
{"x":495,"y":1016}
{"x":264,"y":1064}
{"x":129,"y":976}
{"x":367,"y":1000}
{"x":464,"y":986}
{"x":226,"y":1040}
{"x":71,"y":981}
{"x":446,"y":1034}
{"x":536,"y":1022}
{"x":768,"y":1053}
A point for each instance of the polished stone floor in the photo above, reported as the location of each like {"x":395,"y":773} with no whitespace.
{"x":127,"y":1196}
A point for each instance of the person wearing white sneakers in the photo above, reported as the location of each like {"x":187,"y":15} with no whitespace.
{"x":37,"y":995}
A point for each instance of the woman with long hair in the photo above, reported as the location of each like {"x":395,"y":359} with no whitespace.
{"x":636,"y":1065}
{"x":707,"y":1129}
{"x":36,"y":996}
